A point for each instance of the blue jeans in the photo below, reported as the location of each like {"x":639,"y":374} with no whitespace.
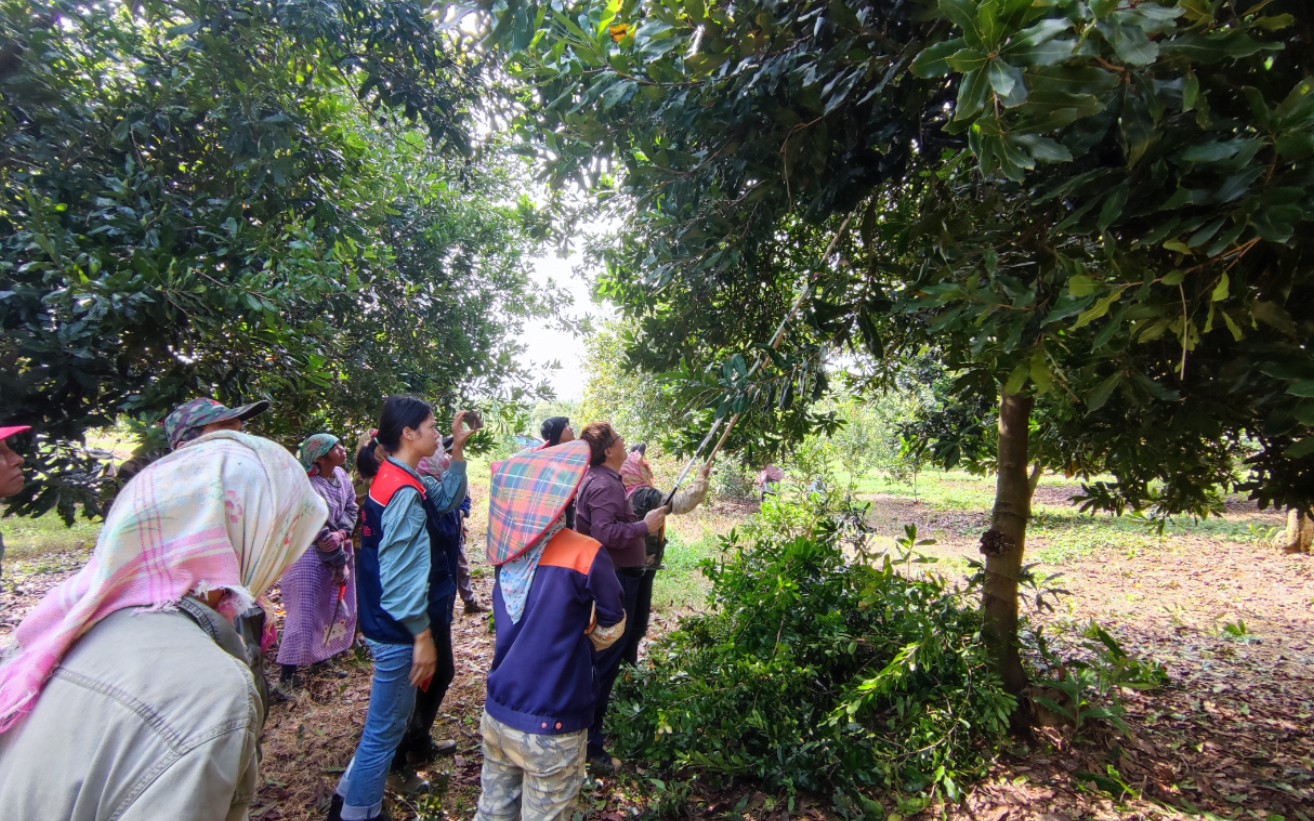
{"x":391,"y":700}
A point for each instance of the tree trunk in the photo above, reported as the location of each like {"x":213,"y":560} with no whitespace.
{"x":1300,"y":531}
{"x":1004,"y":543}
{"x":1036,"y":472}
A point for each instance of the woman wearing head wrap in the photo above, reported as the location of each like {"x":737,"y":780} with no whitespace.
{"x":641,"y":490}
{"x":319,"y":591}
{"x":556,"y":602}
{"x":130,"y":693}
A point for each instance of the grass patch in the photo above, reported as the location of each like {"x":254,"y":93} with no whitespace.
{"x":680,"y":584}
{"x":34,"y":539}
{"x":691,"y":538}
{"x":1059,"y":534}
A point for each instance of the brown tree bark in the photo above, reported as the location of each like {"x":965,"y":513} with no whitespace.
{"x":1034,"y":482}
{"x":1004,"y":543}
{"x":1300,"y":531}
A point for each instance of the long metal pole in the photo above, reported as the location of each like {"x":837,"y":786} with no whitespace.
{"x":776,"y":339}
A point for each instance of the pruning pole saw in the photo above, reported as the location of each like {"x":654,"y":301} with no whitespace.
{"x":774,"y":345}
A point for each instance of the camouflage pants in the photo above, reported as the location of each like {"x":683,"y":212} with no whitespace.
{"x":527,"y":776}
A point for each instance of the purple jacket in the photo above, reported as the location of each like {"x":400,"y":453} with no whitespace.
{"x":602,"y":511}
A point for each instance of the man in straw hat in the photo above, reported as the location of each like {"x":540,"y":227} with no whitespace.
{"x":556,"y":600}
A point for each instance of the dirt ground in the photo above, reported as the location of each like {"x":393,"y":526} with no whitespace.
{"x":1230,"y":735}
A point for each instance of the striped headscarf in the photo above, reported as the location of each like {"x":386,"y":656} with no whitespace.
{"x":636,"y":472}
{"x":229,"y":512}
{"x":526,"y":506}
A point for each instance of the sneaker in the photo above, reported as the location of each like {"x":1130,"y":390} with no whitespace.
{"x":473,"y":607}
{"x":603,"y":764}
{"x":335,"y":808}
{"x":408,"y":784}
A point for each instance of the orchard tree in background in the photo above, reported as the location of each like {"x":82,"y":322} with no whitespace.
{"x":247,"y":200}
{"x":1103,"y":206}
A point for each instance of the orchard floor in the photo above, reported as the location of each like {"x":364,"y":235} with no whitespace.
{"x":1230,"y":736}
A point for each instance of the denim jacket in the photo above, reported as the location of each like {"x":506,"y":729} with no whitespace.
{"x":151,"y":715}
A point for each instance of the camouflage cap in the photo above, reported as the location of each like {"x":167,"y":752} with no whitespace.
{"x":186,"y":421}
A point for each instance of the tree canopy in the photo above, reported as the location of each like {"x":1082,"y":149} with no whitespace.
{"x":245,"y":200}
{"x":1069,"y":199}
{"x":1101,"y":204}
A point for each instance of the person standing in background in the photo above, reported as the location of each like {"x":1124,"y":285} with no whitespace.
{"x":11,"y":474}
{"x":406,"y":589}
{"x":319,"y":591}
{"x":199,"y":417}
{"x":556,"y":430}
{"x":644,"y":496}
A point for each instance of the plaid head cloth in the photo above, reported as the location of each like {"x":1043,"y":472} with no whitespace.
{"x":529,"y":492}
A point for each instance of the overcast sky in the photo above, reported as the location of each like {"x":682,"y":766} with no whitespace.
{"x":544,"y":343}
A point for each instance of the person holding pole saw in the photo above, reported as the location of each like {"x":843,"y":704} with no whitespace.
{"x":603,"y":512}
{"x":644,"y":496}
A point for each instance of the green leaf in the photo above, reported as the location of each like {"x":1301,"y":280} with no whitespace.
{"x":1082,"y":285}
{"x":1099,"y":309}
{"x":962,"y":14}
{"x":933,"y":61}
{"x":1132,"y":45}
{"x":972,"y":95}
{"x":1221,"y":289}
{"x":1040,"y":373}
{"x":1301,"y":448}
{"x":1302,"y":387}
{"x":1178,"y":246}
{"x":1235,"y":329}
{"x":1212,"y":151}
{"x":1102,"y":393}
{"x":1018,"y":378}
{"x":1113,"y":205}
{"x":1206,"y":233}
{"x":1007,"y":82}
{"x":967,"y":59}
{"x":1043,"y":148}
{"x":1190,"y":91}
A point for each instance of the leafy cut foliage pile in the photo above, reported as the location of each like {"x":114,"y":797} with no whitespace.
{"x":815,"y":673}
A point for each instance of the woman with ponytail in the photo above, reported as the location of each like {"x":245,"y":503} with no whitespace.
{"x":405,"y":594}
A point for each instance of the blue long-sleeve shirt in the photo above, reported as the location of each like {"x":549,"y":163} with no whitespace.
{"x":404,"y":551}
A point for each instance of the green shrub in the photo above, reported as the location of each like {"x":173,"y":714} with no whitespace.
{"x":816,"y":672}
{"x":732,"y":479}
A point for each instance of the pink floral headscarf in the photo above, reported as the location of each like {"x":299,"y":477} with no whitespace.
{"x":228,"y":512}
